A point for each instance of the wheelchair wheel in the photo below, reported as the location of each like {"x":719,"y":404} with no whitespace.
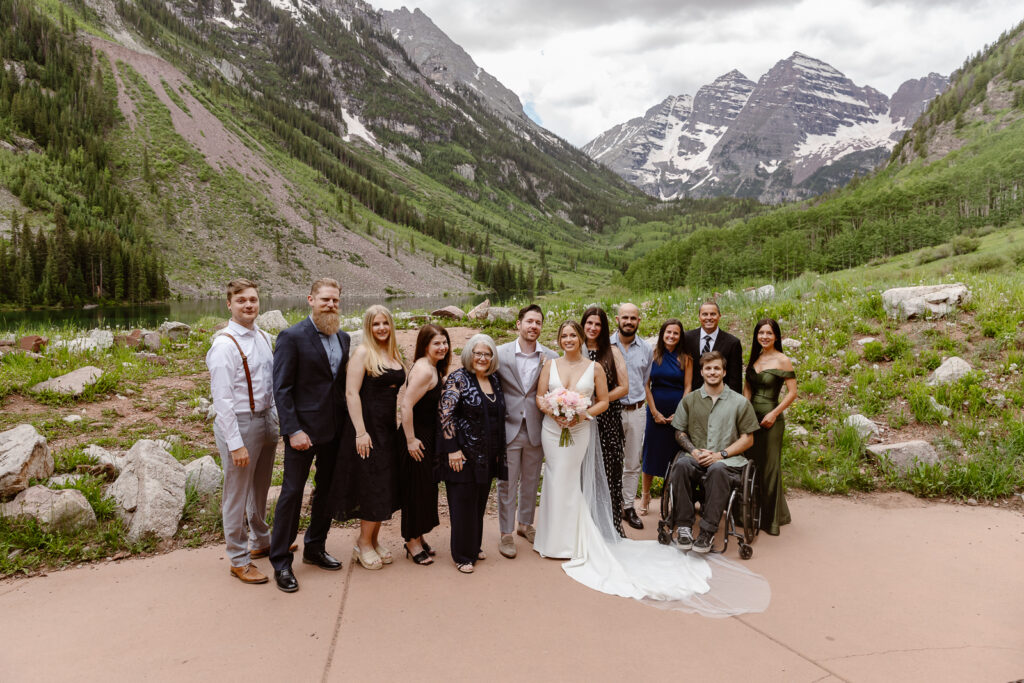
{"x":746,"y":551}
{"x":750,"y":506}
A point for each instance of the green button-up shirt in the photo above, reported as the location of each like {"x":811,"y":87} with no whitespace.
{"x":715,"y":425}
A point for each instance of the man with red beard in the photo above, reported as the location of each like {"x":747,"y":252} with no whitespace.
{"x":309,"y":389}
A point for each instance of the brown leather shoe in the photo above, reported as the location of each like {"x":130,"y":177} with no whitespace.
{"x":264,"y":552}
{"x":249,"y":574}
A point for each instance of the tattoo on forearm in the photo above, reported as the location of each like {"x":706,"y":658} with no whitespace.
{"x":684,"y":442}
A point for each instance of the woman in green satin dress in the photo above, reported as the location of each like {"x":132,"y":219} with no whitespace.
{"x":768,"y":371}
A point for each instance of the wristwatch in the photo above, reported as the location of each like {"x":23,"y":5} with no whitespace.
{"x":724,"y":454}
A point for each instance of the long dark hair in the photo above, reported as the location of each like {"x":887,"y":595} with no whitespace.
{"x":604,"y":345}
{"x":660,"y":349}
{"x":755,"y":347}
{"x":423,"y":339}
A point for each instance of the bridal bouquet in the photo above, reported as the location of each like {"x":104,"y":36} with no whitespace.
{"x":568,"y":404}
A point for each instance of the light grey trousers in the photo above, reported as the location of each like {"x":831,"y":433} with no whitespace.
{"x":634,"y":423}
{"x":244,"y":501}
{"x":520,"y":491}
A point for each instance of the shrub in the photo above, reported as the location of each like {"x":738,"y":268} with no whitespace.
{"x":874,"y":352}
{"x":986,"y":263}
{"x":962,"y":244}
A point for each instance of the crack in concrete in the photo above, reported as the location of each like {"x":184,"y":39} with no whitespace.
{"x":337,"y":624}
{"x":799,"y":654}
{"x":882,"y":653}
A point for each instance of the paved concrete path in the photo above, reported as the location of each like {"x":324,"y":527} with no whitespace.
{"x":883,"y":588}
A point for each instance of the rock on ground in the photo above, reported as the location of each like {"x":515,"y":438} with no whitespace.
{"x":865,"y":427}
{"x":204,"y":474}
{"x":937,"y":300}
{"x":33,"y":343}
{"x":71,"y":384}
{"x":66,"y":509}
{"x":24,"y":455}
{"x":150,"y":492}
{"x":479,"y":312}
{"x":760,"y":293}
{"x":502,"y":313}
{"x":63,"y":480}
{"x":864,"y":341}
{"x":942,"y":410}
{"x":797,"y":431}
{"x":906,"y":454}
{"x":951,"y":370}
{"x":175,"y":331}
{"x":450,"y":312}
{"x":272,"y":321}
{"x":152,"y":341}
{"x":105,"y":457}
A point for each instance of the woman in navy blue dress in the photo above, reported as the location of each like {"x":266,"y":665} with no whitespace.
{"x":670,"y":381}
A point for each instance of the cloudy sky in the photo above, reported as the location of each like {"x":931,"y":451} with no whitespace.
{"x":582,"y":66}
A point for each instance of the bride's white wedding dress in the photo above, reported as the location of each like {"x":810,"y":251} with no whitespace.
{"x":574,"y":522}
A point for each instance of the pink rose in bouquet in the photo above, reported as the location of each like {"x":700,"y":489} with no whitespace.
{"x":568,"y":404}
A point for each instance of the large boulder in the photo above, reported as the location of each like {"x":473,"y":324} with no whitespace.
{"x":152,"y":341}
{"x":174,"y":331}
{"x":33,"y":343}
{"x":24,"y":455}
{"x":760,"y":293}
{"x":905,"y":455}
{"x":272,"y":321}
{"x":450,"y":312}
{"x":71,"y":384}
{"x":204,"y":474}
{"x":64,"y":509}
{"x":150,"y":493}
{"x":951,"y":370}
{"x":902,"y":303}
{"x":865,"y":427}
{"x":479,"y":312}
{"x":502,"y":313}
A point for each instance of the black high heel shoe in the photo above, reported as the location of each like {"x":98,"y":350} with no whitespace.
{"x":421,"y":557}
{"x":426,"y":547}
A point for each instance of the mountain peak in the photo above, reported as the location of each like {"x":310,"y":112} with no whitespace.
{"x":731,"y":77}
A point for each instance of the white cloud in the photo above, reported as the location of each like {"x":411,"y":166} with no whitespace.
{"x":586,"y":65}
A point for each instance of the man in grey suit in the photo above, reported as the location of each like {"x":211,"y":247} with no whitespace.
{"x":519,"y":364}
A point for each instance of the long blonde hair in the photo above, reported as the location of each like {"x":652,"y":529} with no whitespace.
{"x":374,"y":362}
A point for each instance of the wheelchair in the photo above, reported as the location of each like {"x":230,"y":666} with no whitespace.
{"x":742,"y":514}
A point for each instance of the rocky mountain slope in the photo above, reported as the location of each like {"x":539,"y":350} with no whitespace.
{"x":282,"y":139}
{"x":802,"y":129}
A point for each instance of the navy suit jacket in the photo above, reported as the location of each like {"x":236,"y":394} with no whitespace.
{"x":727,"y":345}
{"x":308,"y":397}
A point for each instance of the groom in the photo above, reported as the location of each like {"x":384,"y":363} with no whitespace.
{"x":519,"y":365}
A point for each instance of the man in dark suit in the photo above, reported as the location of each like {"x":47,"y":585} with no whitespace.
{"x":309,"y":389}
{"x":708,"y":337}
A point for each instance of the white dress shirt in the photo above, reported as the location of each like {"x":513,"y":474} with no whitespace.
{"x":227,"y":378}
{"x":527,"y":365}
{"x":703,"y":341}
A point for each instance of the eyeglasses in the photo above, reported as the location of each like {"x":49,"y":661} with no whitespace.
{"x":486,"y":355}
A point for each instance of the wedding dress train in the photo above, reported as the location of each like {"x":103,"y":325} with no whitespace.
{"x":574,"y":522}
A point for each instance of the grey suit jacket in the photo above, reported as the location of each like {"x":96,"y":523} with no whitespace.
{"x":520,"y":401}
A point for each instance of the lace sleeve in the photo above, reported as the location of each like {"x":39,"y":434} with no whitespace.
{"x":453,"y":388}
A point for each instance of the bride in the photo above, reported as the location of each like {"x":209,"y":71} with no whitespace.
{"x":574,"y":521}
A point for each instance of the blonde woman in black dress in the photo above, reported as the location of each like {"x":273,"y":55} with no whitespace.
{"x":375,"y":375}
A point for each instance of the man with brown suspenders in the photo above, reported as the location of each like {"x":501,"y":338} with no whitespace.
{"x":241,"y":363}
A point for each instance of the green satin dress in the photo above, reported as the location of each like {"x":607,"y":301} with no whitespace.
{"x":767,"y":449}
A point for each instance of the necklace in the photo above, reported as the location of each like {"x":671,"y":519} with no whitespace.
{"x":490,"y":397}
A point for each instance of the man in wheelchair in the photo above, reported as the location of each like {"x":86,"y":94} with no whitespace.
{"x":714,"y":425}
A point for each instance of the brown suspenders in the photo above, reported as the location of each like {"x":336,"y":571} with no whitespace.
{"x":245,"y":366}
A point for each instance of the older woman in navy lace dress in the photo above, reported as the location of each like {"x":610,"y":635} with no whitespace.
{"x":471,"y":446}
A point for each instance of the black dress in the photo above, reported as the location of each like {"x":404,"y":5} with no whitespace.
{"x":613,"y":441}
{"x":370,"y":484}
{"x":417,"y":488}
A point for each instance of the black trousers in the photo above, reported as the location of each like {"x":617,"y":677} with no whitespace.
{"x":716,"y":481}
{"x":289,"y":504}
{"x":467,"y":503}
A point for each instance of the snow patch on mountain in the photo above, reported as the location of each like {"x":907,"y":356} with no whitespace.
{"x":356,"y":128}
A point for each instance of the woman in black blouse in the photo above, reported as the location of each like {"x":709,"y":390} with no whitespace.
{"x":472,"y":436}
